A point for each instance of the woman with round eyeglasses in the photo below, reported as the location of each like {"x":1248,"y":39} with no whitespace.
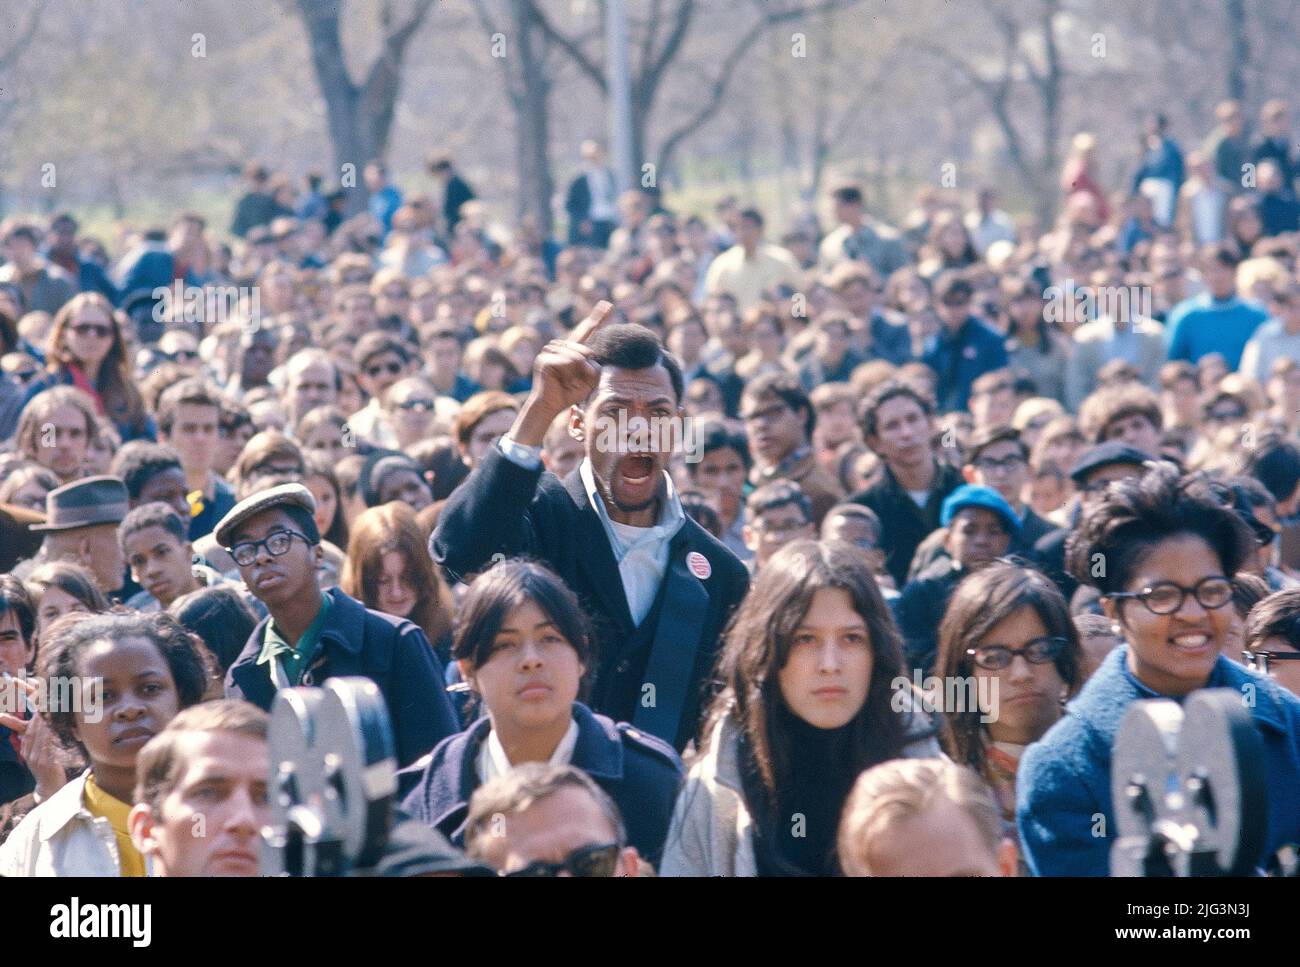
{"x":1007,"y":632}
{"x":1160,"y":550}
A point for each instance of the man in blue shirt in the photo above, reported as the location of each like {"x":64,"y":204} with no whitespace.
{"x":385,"y":198}
{"x":1216,"y":321}
{"x":966,"y":347}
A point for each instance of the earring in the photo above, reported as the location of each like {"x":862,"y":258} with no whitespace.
{"x":1116,"y":630}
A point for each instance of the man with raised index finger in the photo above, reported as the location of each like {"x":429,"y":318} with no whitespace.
{"x":657,"y":586}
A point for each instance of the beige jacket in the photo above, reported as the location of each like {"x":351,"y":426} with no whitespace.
{"x":61,"y":837}
{"x":711,"y":833}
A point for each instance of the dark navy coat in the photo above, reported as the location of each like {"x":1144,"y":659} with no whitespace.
{"x":961,"y":358}
{"x":392,"y":652}
{"x":503,"y":508}
{"x":640,"y":773}
{"x":1063,"y":783}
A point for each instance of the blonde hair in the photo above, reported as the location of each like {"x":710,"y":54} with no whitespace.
{"x":904,"y":789}
{"x":1253,"y":271}
{"x":1033,"y":407}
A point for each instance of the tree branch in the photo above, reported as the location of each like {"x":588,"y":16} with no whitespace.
{"x":571,"y":47}
{"x":24,"y":38}
{"x":718,"y":89}
{"x":651,"y":74}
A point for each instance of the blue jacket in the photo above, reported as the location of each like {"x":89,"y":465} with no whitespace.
{"x":391,"y":652}
{"x":1063,"y":783}
{"x":960,"y":359}
{"x":640,"y":773}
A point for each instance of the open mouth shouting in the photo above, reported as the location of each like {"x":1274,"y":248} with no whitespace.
{"x":635,"y":480}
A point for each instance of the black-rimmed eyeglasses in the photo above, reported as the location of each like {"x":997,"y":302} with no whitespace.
{"x":1037,"y":652}
{"x":277,"y":545}
{"x":1260,"y":660}
{"x":1166,"y":597}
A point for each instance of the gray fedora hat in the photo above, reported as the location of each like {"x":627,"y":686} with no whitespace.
{"x":89,"y":502}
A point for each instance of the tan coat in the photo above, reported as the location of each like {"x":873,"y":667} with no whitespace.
{"x":712,"y":831}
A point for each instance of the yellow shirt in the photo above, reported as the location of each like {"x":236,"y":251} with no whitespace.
{"x":115,"y":811}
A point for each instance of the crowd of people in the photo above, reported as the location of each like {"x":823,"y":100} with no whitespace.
{"x":649,"y":535}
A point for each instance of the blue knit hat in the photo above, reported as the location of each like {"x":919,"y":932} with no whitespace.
{"x":973,"y":495}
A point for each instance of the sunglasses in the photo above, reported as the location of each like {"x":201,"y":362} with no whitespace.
{"x":416,"y":406}
{"x":180,"y":356}
{"x":24,"y":375}
{"x":599,"y":861}
{"x":392,"y":369}
{"x":91,"y":329}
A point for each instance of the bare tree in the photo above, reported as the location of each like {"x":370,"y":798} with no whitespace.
{"x":998,"y":85}
{"x":662,"y":38}
{"x":1238,"y":48}
{"x":528,"y":85}
{"x":9,"y":59}
{"x":360,"y":114}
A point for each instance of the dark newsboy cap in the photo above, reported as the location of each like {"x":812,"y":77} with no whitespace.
{"x":1107,"y":454}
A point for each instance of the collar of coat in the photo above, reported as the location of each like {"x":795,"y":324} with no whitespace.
{"x":451,"y":774}
{"x":1113,"y":688}
{"x":344,"y":633}
{"x":63,"y":807}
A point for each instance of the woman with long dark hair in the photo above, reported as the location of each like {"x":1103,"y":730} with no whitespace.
{"x":320,"y":479}
{"x":524,"y":646}
{"x":1162,"y":550}
{"x":1007,"y":630}
{"x":812,"y":695}
{"x":87,"y":349}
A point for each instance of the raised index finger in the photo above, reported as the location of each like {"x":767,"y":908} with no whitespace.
{"x":584,"y":330}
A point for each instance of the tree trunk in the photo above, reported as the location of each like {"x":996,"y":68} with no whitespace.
{"x":360,"y":117}
{"x":532,"y":122}
{"x":1238,"y":49}
{"x":1046,"y":193}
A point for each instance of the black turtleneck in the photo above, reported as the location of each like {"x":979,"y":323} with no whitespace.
{"x":799,"y":838}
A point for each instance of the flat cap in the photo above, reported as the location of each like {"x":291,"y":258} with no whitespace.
{"x":1107,"y":454}
{"x":285,"y":495}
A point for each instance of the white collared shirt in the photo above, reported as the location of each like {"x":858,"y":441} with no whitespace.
{"x":641,"y":552}
{"x":61,"y":837}
{"x":493,"y":761}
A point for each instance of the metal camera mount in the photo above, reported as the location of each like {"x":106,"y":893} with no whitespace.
{"x":333,"y":779}
{"x":1189,"y":788}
